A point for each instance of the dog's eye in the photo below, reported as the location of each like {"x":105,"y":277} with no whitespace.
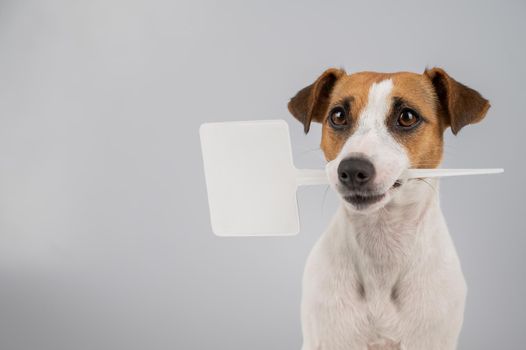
{"x":338,"y":118}
{"x":408,"y":119}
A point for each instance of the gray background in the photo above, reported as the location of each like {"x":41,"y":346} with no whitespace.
{"x":105,"y":240}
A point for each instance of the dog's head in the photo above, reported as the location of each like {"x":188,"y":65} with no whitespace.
{"x":377,"y":125}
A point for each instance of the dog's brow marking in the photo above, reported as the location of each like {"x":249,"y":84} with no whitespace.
{"x":378,"y":101}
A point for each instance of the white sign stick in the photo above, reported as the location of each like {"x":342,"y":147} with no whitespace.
{"x":252,"y":181}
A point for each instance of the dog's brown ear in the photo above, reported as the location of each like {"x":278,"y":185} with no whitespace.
{"x":459,"y":104}
{"x":311,"y":102}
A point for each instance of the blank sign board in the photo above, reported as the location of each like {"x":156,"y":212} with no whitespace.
{"x":250,"y":178}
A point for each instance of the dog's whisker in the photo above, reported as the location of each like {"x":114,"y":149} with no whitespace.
{"x":310,"y":150}
{"x":324,"y":199}
{"x":427,"y":183}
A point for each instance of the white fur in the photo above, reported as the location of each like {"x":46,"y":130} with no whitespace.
{"x":388,"y":277}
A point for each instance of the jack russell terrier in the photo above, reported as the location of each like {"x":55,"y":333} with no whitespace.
{"x":385,"y":274}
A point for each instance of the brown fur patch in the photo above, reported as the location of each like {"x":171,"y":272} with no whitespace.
{"x":440,"y":100}
{"x":424,"y":145}
{"x":459,"y":105}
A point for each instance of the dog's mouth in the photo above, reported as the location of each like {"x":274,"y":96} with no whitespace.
{"x":362,"y":200}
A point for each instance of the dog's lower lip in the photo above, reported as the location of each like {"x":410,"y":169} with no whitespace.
{"x":362,"y":201}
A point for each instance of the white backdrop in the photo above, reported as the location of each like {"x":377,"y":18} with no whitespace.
{"x":105,"y":240}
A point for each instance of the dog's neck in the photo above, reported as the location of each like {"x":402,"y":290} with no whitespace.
{"x":390,"y":237}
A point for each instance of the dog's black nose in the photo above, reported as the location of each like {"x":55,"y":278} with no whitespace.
{"x":355,"y":173}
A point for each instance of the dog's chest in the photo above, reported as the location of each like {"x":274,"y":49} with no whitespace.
{"x":350,"y":300}
{"x":351,"y":306}
{"x":374,"y":309}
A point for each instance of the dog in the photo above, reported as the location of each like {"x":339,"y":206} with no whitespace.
{"x":385,"y":274}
